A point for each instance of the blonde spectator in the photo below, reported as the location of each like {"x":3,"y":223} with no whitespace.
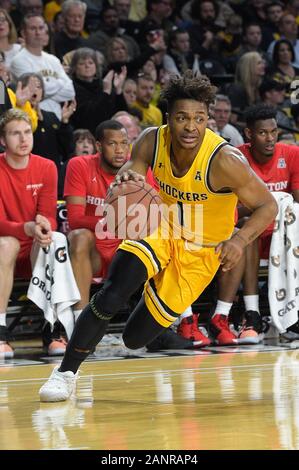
{"x":249,"y":75}
{"x":8,"y":37}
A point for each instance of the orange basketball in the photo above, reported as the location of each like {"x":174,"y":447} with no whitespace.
{"x":132,"y":210}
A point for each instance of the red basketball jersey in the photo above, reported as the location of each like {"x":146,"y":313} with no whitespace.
{"x":281,"y":173}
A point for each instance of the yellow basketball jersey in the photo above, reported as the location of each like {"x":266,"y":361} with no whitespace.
{"x":196,"y":212}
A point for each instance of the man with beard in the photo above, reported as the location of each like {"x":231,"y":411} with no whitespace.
{"x":151,"y":115}
{"x":87,"y":179}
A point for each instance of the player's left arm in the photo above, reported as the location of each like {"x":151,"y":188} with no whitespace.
{"x":230,"y":170}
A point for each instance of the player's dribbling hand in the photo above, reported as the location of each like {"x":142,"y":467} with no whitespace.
{"x":230,"y":253}
{"x":126,"y":176}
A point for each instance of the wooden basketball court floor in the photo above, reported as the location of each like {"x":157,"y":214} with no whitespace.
{"x":217,"y":398}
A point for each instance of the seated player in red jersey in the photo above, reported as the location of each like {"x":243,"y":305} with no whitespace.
{"x":277,"y":165}
{"x":28,"y":198}
{"x":87,"y":179}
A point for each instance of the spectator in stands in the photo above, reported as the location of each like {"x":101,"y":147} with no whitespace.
{"x":278,"y":166}
{"x":28,"y":196}
{"x":110,"y":28}
{"x":203,"y":29}
{"x":97,"y":99}
{"x":85,"y":143}
{"x":123,"y":8}
{"x":117,"y":55}
{"x":31,"y":58}
{"x":151,"y":68}
{"x":93,"y":14}
{"x":151,"y":115}
{"x":130,"y":124}
{"x":52,"y":139}
{"x":8,"y":37}
{"x":20,"y":99}
{"x":252,"y":38}
{"x":249,"y":74}
{"x":180,"y":57}
{"x":224,"y":11}
{"x":4,"y":72}
{"x":87,"y":181}
{"x":129,"y":92}
{"x":229,"y":41}
{"x":283,"y":59}
{"x":270,"y":31}
{"x":24,"y":8}
{"x":253,"y":11}
{"x":58,"y":23}
{"x":157,"y":18}
{"x":288,"y":29}
{"x":273,"y":93}
{"x":222,"y":112}
{"x":72,"y":35}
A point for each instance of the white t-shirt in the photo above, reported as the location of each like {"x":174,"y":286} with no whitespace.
{"x":58,"y":86}
{"x":9,"y":55}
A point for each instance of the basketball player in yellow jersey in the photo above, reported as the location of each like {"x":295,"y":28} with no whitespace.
{"x":198,"y":172}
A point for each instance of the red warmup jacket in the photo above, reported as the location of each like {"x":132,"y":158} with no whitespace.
{"x":24,"y":193}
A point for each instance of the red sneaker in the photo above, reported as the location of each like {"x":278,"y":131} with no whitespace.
{"x":219,"y":328}
{"x":57,"y":347}
{"x":188,"y":329}
{"x":6,"y":351}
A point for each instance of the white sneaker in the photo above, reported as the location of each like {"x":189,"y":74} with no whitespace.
{"x":59,"y":387}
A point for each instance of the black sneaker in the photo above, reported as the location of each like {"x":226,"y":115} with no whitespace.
{"x":54,"y":342}
{"x":292,"y":333}
{"x":168,"y":339}
{"x":252,"y":328}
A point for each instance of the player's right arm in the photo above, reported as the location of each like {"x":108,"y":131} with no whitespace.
{"x":141,"y":157}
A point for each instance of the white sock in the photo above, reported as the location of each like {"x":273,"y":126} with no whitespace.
{"x":223,"y":308}
{"x":3,"y":319}
{"x":252,"y":302}
{"x":77,"y":313}
{"x":187,"y":313}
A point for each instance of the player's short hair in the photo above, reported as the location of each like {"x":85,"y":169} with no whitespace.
{"x":190,"y":86}
{"x":13,"y":114}
{"x":110,"y":124}
{"x":259,"y":112}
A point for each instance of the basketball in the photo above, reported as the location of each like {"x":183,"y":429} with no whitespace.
{"x":132,"y":210}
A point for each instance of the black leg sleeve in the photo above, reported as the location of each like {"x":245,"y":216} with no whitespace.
{"x":141,"y":327}
{"x":126,"y":274}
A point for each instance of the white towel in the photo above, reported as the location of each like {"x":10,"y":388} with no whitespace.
{"x":52,"y":286}
{"x":283,"y":289}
